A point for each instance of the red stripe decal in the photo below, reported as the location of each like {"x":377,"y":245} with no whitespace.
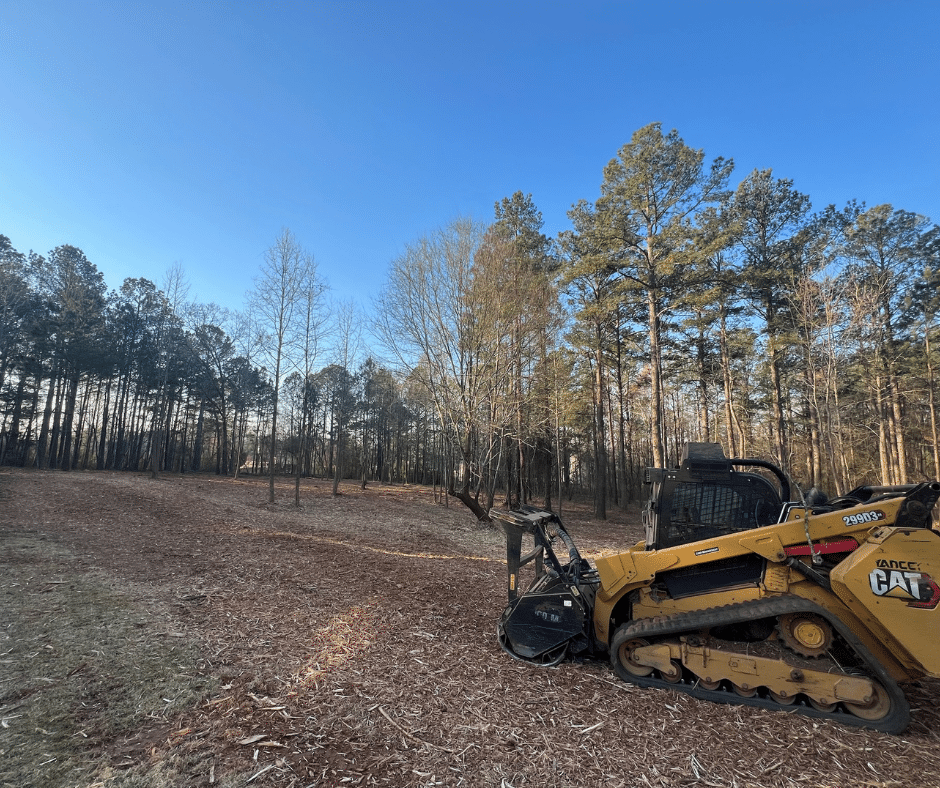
{"x":842,"y":546}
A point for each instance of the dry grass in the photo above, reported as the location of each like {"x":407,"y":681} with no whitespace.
{"x":85,"y":664}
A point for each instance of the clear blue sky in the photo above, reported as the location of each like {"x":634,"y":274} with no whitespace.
{"x":192,"y":132}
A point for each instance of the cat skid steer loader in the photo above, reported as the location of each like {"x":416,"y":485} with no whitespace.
{"x":741,"y":595}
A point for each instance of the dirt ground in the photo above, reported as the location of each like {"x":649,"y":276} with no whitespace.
{"x":351,"y":642}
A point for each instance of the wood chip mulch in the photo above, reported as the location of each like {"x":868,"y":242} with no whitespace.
{"x":353,"y":643}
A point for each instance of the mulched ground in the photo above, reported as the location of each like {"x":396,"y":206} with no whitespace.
{"x":352,"y":642}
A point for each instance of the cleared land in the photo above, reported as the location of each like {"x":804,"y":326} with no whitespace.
{"x":183,"y":632}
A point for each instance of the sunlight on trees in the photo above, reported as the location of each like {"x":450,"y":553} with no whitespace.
{"x":509,"y":365}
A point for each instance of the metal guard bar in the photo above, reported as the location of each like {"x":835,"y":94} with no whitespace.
{"x":517,"y":522}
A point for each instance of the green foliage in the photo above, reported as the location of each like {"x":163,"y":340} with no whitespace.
{"x":674,"y":308}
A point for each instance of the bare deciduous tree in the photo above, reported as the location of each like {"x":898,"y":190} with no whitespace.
{"x":431,"y":320}
{"x":312,"y":325}
{"x":347,"y":327}
{"x":278,"y":300}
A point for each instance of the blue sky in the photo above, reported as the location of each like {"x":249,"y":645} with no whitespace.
{"x":157,"y":133}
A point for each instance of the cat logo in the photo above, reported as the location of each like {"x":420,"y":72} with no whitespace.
{"x":917,"y":588}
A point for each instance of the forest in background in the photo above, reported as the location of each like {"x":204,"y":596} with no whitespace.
{"x":502,"y":365}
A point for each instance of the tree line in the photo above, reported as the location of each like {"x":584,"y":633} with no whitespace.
{"x":141,"y":379}
{"x":517,"y":368}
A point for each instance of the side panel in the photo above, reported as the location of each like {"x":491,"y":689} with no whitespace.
{"x":893,"y":577}
{"x":623,"y":572}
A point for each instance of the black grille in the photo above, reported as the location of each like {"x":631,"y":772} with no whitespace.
{"x":703,"y":510}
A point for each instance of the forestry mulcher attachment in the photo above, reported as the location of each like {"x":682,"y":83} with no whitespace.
{"x":740,"y":595}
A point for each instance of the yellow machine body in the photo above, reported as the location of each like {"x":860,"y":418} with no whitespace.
{"x":740,"y":595}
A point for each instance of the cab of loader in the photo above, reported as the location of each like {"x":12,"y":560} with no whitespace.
{"x":706,"y":497}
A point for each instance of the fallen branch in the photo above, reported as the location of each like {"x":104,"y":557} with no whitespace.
{"x":411,"y":735}
{"x":258,"y":774}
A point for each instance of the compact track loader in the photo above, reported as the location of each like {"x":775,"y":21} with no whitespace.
{"x":741,"y":595}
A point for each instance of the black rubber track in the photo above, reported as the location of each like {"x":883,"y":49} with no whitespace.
{"x":896,"y":721}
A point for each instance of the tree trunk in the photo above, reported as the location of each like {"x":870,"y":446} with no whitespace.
{"x":156,"y":438}
{"x":71,"y":397}
{"x":338,"y":463}
{"x":726,"y":381}
{"x":12,"y":448}
{"x":102,"y":458}
{"x":41,"y":448}
{"x":931,"y":404}
{"x":272,"y":455}
{"x":600,"y":450}
{"x":703,"y":420}
{"x":623,"y":481}
{"x":656,"y":383}
{"x":884,"y":452}
{"x":897,"y":419}
{"x":779,"y":422}
{"x":200,"y":435}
